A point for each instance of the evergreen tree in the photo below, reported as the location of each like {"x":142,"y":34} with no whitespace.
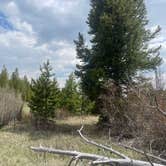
{"x":87,"y":106}
{"x":71,"y":99}
{"x":88,"y":75}
{"x":119,"y":44}
{"x":26,"y":90}
{"x":15,"y":81}
{"x":4,"y":78}
{"x":45,"y":92}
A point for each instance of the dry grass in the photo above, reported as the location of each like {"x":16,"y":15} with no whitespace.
{"x":15,"y":143}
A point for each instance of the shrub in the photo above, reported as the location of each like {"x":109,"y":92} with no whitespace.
{"x":10,"y":106}
{"x":134,"y":114}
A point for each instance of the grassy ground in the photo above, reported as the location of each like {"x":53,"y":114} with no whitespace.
{"x":15,"y":142}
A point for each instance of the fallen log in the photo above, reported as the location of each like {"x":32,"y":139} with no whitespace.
{"x":95,"y":159}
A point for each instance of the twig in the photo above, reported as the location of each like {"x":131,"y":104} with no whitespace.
{"x":147,"y":157}
{"x":70,"y":162}
{"x":158,"y":108}
{"x":76,"y":161}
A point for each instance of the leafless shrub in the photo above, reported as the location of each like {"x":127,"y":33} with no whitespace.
{"x":114,"y":110}
{"x":155,"y":131}
{"x":138,"y":112}
{"x":10,"y":106}
{"x":147,"y":106}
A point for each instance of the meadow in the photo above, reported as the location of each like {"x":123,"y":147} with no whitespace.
{"x":16,"y":140}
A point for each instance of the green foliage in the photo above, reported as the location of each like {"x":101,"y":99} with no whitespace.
{"x":73,"y":99}
{"x":119,"y":45}
{"x":87,"y":105}
{"x":19,"y":85}
{"x":25,"y":89}
{"x":88,"y":75}
{"x":4,"y":77}
{"x":15,"y":82}
{"x":70,"y":96}
{"x":45,"y":93}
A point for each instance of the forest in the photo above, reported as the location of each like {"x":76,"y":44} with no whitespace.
{"x":109,"y":112}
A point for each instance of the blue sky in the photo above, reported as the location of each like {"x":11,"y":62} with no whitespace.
{"x":32,"y":31}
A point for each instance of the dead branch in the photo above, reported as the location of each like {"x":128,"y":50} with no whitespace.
{"x":99,"y":159}
{"x":100,"y":145}
{"x":158,"y":108}
{"x":147,"y":157}
{"x":75,"y":154}
{"x":71,"y":160}
{"x":143,"y":153}
{"x":96,"y":159}
{"x":123,"y":162}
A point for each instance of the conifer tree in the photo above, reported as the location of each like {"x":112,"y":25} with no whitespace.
{"x":88,"y":75}
{"x":119,"y":44}
{"x":15,"y":81}
{"x":71,"y":99}
{"x":26,"y":90}
{"x":4,"y":78}
{"x":45,"y":92}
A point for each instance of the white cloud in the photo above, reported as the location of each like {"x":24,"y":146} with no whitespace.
{"x":156,"y":1}
{"x":22,"y":51}
{"x":42,"y":30}
{"x":11,"y":9}
{"x":45,"y":29}
{"x":58,"y":6}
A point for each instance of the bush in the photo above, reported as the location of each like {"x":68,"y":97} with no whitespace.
{"x":154,"y":135}
{"x":134,"y":115}
{"x":10,"y":106}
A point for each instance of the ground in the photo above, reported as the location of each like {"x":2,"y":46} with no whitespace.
{"x":15,"y":142}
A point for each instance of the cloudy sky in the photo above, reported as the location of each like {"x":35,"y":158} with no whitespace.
{"x":32,"y":31}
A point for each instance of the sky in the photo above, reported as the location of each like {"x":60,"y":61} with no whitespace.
{"x":32,"y":31}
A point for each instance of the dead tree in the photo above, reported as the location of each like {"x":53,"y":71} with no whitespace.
{"x":95,"y":159}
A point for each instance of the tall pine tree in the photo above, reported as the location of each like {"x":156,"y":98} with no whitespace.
{"x":45,"y":93}
{"x":119,"y":44}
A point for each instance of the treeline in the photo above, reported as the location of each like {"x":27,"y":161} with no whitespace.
{"x":73,"y":99}
{"x":15,"y":82}
{"x":47,"y":98}
{"x":70,"y":98}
